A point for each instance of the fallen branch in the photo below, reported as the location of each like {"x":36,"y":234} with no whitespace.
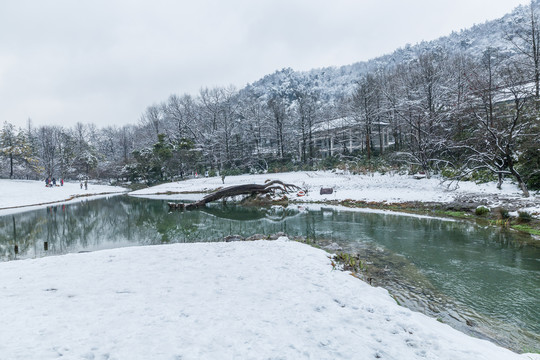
{"x":253,"y":190}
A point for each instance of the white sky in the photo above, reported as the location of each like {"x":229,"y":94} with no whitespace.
{"x":65,"y":61}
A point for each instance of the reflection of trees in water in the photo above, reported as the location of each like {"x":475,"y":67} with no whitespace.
{"x":123,"y":220}
{"x":22,"y":234}
{"x":66,"y":228}
{"x":248,"y":213}
{"x":120,"y":221}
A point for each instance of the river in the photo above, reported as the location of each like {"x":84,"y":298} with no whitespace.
{"x":484,"y":281}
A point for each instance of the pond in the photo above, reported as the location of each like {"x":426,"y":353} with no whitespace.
{"x":481,"y":280}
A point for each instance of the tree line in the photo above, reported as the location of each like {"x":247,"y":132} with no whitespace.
{"x":449,"y":112}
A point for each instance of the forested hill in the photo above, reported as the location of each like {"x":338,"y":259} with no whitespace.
{"x":340,"y":81}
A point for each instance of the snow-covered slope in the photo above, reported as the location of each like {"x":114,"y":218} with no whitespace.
{"x":244,"y":300}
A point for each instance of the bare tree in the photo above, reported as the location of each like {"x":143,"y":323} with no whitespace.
{"x":48,"y":138}
{"x":180,"y":113}
{"x":308,"y":111}
{"x":365,"y":109}
{"x":423,"y":108}
{"x":278,"y":108}
{"x":152,"y":119}
{"x":525,"y":36}
{"x":496,"y":134}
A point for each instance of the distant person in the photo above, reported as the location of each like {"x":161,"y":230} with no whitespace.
{"x":85,"y":184}
{"x":53,"y":181}
{"x":46,"y":182}
{"x":81,"y":185}
{"x":62,"y":182}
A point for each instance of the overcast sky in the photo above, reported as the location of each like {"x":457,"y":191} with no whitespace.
{"x":65,"y":61}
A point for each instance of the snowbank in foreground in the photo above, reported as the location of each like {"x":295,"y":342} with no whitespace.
{"x":19,"y":193}
{"x":390,"y":188}
{"x":245,"y":300}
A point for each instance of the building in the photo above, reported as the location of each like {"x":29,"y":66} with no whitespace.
{"x":347,"y":135}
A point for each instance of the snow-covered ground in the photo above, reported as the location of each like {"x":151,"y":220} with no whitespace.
{"x":22,"y":195}
{"x":244,"y":300}
{"x":389,"y":188}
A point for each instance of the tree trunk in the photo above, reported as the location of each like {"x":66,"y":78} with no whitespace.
{"x":247,"y":189}
{"x":11,"y":165}
{"x":500,"y":180}
{"x":381,"y":140}
{"x":368,"y":145}
{"x":521,"y":183}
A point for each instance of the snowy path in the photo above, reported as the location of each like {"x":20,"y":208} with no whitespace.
{"x":243,"y":300}
{"x":17,"y":194}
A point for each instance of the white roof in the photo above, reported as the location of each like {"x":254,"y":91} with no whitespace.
{"x":341,"y":123}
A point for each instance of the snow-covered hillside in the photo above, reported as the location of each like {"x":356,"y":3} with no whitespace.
{"x":338,"y":81}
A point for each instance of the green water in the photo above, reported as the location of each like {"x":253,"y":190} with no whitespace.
{"x":483,"y":281}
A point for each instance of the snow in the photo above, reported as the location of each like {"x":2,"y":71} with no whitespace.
{"x":16,"y":194}
{"x":250,"y":300}
{"x":340,"y":123}
{"x":389,"y":188}
{"x":247,"y":300}
{"x":329,"y":207}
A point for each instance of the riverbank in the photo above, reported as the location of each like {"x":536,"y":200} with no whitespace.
{"x":390,"y":191}
{"x":260,"y":299}
{"x":24,"y":195}
{"x":389,"y":188}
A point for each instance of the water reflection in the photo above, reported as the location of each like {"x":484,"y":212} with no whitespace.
{"x":460,"y":272}
{"x":242,"y":213}
{"x":124,"y":221}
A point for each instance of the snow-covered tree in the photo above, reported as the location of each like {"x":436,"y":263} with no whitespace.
{"x":308,"y":109}
{"x":524,"y":34}
{"x":502,"y":116}
{"x":423,"y":107}
{"x":16,"y":148}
